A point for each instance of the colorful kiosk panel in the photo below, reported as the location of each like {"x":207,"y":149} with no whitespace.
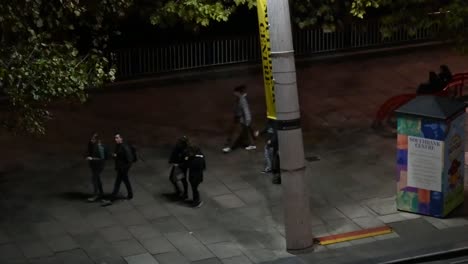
{"x":430,"y":155}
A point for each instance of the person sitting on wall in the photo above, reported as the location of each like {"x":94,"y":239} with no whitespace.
{"x":434,"y":85}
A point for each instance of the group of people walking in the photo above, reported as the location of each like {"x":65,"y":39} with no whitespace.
{"x":187,"y":160}
{"x":124,"y":156}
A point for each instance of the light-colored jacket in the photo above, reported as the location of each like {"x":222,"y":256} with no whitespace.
{"x":243,"y":111}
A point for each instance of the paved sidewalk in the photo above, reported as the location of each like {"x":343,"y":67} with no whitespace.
{"x":44,"y":183}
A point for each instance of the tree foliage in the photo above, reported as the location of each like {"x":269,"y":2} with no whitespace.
{"x":52,"y":50}
{"x":450,"y":16}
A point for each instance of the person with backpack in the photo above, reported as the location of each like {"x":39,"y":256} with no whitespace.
{"x":178,"y":174}
{"x":96,"y":156}
{"x":124,"y":156}
{"x":196,"y":164}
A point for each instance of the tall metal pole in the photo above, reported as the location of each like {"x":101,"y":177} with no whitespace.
{"x":291,"y":148}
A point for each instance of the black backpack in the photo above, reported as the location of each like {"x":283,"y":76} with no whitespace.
{"x":134,"y":153}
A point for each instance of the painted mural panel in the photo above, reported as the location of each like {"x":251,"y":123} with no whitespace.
{"x":430,"y":156}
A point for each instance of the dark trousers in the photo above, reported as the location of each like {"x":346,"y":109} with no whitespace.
{"x":196,"y":195}
{"x":122,"y":175}
{"x":239,"y":134}
{"x":96,"y":179}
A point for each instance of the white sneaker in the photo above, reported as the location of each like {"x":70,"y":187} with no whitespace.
{"x":251,"y":147}
{"x":106,"y":202}
{"x":227,"y":149}
{"x":93,"y":199}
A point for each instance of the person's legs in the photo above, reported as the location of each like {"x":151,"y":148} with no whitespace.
{"x":115,"y":192}
{"x":268,"y":158}
{"x":183,"y":181}
{"x":248,"y":132}
{"x":97,"y":183}
{"x":196,"y":194}
{"x":127,"y":183}
{"x":118,"y":181}
{"x":173,"y":180}
{"x":236,"y":138}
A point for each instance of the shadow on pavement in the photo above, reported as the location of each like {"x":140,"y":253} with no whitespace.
{"x":72,"y":196}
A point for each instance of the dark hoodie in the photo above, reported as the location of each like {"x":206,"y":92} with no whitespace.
{"x":195,"y":162}
{"x":123,"y":160}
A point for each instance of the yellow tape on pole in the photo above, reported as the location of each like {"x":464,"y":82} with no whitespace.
{"x":266,"y":58}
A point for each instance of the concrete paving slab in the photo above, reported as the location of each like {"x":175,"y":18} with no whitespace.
{"x":75,"y":256}
{"x":368,"y":222}
{"x":236,"y":184}
{"x":189,"y":246}
{"x":101,"y":219}
{"x":157,"y":245}
{"x":171,"y":258}
{"x":213,"y":188}
{"x":46,"y":260}
{"x":329,"y":213}
{"x":229,"y":201}
{"x":436,"y":222}
{"x":115,"y":233}
{"x":61,"y":243}
{"x":78,"y":226}
{"x":64,"y":213}
{"x":236,"y":260}
{"x":143,"y":231}
{"x":212,"y":235}
{"x":455,"y":222}
{"x":130,"y":218}
{"x":410,"y":215}
{"x":259,"y":255}
{"x":340,"y":226}
{"x":353,"y":211}
{"x":250,"y":196}
{"x":35,"y":249}
{"x":168,"y":224}
{"x":10,"y":252}
{"x":391,"y":218}
{"x":120,"y":206}
{"x":128,"y":247}
{"x":4,"y":238}
{"x":152,"y":211}
{"x":208,"y":261}
{"x":141,"y":259}
{"x":50,"y":229}
{"x":383,"y":206}
{"x":225,"y":249}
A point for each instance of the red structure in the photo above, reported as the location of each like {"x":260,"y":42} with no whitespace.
{"x":385,"y":117}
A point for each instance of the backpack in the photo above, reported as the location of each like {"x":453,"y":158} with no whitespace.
{"x":134,"y":153}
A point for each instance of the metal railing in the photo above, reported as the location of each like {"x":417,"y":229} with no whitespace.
{"x":211,"y":52}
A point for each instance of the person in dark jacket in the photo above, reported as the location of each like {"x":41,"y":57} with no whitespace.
{"x":196,"y":164}
{"x":271,"y":144}
{"x":445,"y":75}
{"x":96,"y":156}
{"x":123,"y":158}
{"x":178,"y":174}
{"x":434,"y":85}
